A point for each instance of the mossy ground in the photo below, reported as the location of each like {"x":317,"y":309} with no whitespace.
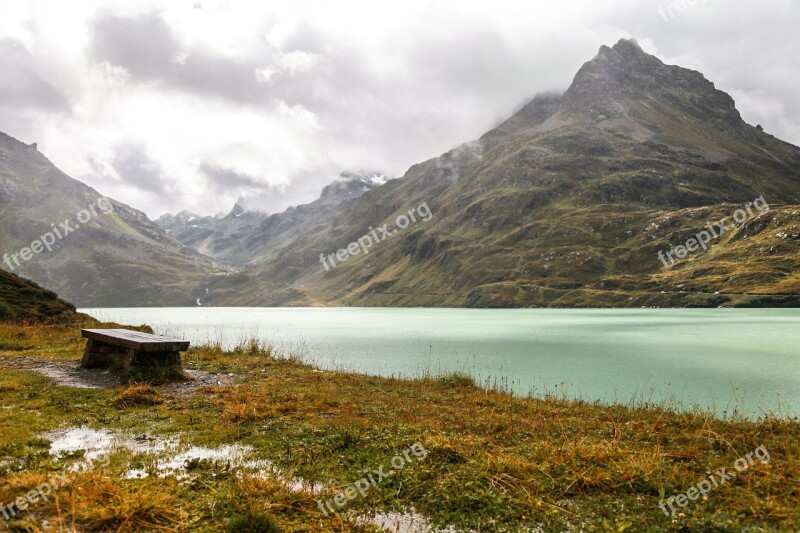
{"x":494,"y":463}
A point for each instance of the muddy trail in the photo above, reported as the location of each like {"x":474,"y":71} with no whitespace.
{"x":70,"y":374}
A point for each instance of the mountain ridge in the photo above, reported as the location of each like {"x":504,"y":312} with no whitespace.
{"x":245,"y":237}
{"x":567,"y":203}
{"x":114,"y":253}
{"x":570,"y":202}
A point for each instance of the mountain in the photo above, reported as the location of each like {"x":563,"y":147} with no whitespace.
{"x":219,"y":237}
{"x":245,"y":237}
{"x":568,"y":203}
{"x":92,"y":250}
{"x":23,"y":300}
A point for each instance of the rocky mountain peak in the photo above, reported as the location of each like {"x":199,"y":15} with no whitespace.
{"x":624,"y":76}
{"x":629,"y":49}
{"x":624,"y":62}
{"x":624,"y":81}
{"x":238,"y":210}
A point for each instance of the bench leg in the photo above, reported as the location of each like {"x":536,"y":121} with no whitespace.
{"x":164,"y":366}
{"x":161,"y":366}
{"x":128,"y":361}
{"x":98,"y":355}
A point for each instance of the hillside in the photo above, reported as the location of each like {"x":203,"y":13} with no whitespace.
{"x":100,"y":252}
{"x":23,"y":300}
{"x":568,"y":203}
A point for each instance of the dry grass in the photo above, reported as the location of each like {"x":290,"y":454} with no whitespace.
{"x":517,"y":456}
{"x":9,"y":386}
{"x":138,"y":395}
{"x":99,"y":504}
{"x":494,"y":462}
{"x":95,"y":502}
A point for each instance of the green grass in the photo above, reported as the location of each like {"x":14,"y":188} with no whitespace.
{"x":494,"y":462}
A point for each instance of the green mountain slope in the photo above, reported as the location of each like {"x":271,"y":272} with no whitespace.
{"x":106,"y":254}
{"x":568,"y":203}
{"x":23,"y":300}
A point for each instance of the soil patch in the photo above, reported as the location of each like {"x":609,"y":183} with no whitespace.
{"x":70,"y":374}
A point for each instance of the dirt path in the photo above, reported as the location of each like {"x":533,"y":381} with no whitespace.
{"x":70,"y":374}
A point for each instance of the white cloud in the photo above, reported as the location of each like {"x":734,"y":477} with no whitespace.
{"x":15,"y":23}
{"x":278,"y":98}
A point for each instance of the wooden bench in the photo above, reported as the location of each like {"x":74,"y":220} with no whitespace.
{"x":127,"y":348}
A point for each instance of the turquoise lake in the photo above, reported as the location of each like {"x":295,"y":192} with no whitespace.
{"x":725,"y":360}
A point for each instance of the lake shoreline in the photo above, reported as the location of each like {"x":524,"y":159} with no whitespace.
{"x":491,"y":460}
{"x":716,"y":360}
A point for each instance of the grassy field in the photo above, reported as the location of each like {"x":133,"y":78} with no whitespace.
{"x":291,"y":438}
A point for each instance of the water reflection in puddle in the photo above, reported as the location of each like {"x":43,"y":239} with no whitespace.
{"x":169,"y":457}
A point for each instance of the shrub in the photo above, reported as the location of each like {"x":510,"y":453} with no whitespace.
{"x":138,"y":395}
{"x":250,"y":522}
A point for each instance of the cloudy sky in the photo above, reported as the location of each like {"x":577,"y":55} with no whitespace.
{"x":171,"y":104}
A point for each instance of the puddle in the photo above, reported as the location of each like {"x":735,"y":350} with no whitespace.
{"x":99,"y":442}
{"x":135,"y":473}
{"x":411,"y":522}
{"x":301,"y":485}
{"x":265,"y":469}
{"x":93,"y":442}
{"x":168,"y":457}
{"x":414,"y":522}
{"x":232,"y":456}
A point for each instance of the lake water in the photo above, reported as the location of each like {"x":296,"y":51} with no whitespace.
{"x":726,"y":360}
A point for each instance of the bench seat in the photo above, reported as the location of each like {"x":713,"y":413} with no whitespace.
{"x":128,"y":348}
